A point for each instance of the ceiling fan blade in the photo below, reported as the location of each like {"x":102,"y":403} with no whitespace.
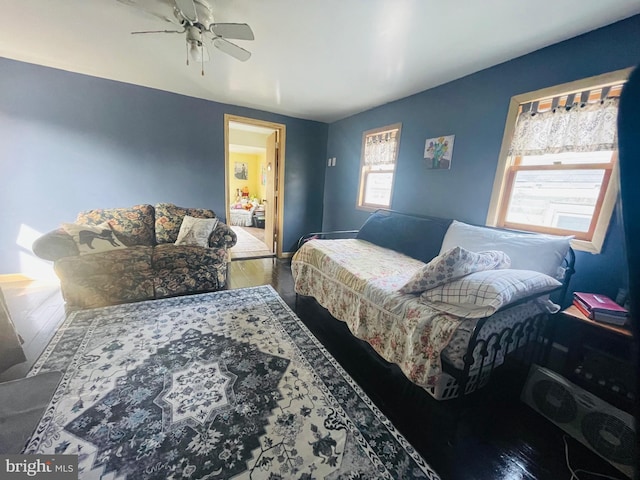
{"x":231,"y":49}
{"x":188,"y":10}
{"x":158,"y":31}
{"x":238,"y":31}
{"x":166,"y":17}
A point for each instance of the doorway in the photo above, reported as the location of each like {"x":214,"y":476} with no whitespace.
{"x":254,"y":185}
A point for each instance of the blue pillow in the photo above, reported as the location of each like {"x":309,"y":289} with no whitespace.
{"x":416,"y":237}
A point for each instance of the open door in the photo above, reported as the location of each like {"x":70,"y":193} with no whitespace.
{"x":271,"y":200}
{"x":266,"y":140}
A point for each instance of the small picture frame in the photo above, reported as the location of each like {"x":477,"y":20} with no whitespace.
{"x":241,"y":171}
{"x":438,"y":152}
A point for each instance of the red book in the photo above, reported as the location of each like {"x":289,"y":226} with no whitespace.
{"x":600,"y":303}
{"x":583,"y":310}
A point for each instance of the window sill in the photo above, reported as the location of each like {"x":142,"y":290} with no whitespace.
{"x":593,"y":247}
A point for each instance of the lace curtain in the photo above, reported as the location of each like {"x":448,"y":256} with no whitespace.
{"x":380,"y":148}
{"x":588,"y":127}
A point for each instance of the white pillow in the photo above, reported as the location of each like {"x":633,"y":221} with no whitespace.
{"x":451,"y":265}
{"x":196,"y":231}
{"x":93,"y":238}
{"x":482,"y":293}
{"x":537,"y":252}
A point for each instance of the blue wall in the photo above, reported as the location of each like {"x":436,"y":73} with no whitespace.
{"x":474,"y":108}
{"x":70,"y":142}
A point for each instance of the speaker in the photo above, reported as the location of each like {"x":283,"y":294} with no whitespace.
{"x":606,"y":430}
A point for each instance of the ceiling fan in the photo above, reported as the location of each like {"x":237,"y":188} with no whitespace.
{"x":194,"y":18}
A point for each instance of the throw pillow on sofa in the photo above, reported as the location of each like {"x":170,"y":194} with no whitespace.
{"x":483,"y":293}
{"x":92,"y":238}
{"x":169,"y":220}
{"x":196,"y":231}
{"x":453,"y":264}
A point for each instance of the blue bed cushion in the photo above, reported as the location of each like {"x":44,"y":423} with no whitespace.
{"x":417,"y":237}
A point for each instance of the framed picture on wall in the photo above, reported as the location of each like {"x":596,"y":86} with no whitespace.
{"x":241,"y":171}
{"x":438,"y":152}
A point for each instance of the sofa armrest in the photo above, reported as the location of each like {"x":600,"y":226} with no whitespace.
{"x":222,"y":237}
{"x":55,"y":245}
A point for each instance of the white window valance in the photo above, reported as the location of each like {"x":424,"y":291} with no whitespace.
{"x":588,"y":127}
{"x":380,"y":148}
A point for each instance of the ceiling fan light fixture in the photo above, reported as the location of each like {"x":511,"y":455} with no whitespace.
{"x":198,"y":52}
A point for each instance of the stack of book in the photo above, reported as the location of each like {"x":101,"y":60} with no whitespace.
{"x":600,"y":308}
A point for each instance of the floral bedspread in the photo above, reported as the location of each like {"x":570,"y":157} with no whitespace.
{"x":357,"y":282}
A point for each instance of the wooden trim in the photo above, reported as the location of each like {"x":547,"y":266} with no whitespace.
{"x":598,"y":206}
{"x":282,"y":141}
{"x":498,"y":193}
{"x":506,"y":198}
{"x":598,"y":211}
{"x":564,"y":166}
{"x":606,"y":211}
{"x":546,"y":230}
{"x":576,"y":86}
{"x":14,"y":277}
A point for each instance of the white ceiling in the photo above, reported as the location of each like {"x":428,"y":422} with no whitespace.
{"x":314,"y":59}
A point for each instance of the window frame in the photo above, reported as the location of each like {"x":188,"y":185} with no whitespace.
{"x":506,"y":168}
{"x":365,"y":170}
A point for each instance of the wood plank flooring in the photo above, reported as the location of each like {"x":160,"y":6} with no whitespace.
{"x":494,"y":437}
{"x":37,"y":310}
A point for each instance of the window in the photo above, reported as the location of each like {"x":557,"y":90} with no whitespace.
{"x":377,"y":167}
{"x":557,"y":171}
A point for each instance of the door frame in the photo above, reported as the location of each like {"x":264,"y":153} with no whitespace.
{"x":278,"y":220}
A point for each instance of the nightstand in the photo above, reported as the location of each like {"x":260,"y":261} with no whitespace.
{"x":599,"y":358}
{"x":258,"y":217}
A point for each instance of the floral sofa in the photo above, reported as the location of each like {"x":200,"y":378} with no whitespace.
{"x":145,"y":262}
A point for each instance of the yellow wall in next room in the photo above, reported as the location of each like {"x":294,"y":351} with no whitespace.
{"x":255,"y":165}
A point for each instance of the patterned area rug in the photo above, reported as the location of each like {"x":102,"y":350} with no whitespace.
{"x":248,"y":246}
{"x":218,"y":385}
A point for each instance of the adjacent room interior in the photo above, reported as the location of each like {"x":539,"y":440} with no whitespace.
{"x":257,"y":240}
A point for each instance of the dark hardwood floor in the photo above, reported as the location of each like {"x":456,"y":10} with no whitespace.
{"x":490,"y":436}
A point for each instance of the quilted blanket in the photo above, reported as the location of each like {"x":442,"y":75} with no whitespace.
{"x":357,"y":282}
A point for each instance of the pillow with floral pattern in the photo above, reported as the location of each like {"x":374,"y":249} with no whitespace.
{"x":455,"y":263}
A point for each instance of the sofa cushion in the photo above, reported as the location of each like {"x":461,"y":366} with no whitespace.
{"x":451,"y":265}
{"x":132,"y":226}
{"x":91,"y":239}
{"x":183,"y":269}
{"x":416,"y":237}
{"x":527,"y":251}
{"x":113,"y":262}
{"x":169,"y":218}
{"x":106,"y":278}
{"x":171,"y":256}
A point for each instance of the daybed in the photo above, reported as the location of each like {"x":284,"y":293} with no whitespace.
{"x":119,"y":255}
{"x":417,"y":290}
